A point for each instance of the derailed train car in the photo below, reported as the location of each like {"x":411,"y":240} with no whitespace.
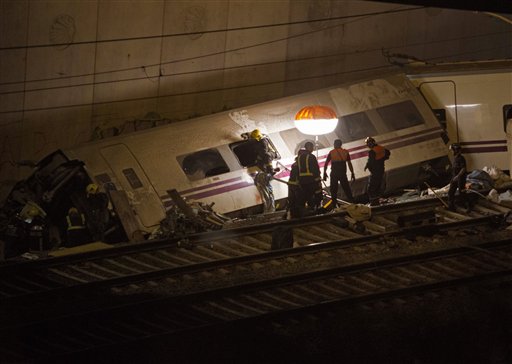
{"x":474,"y":102}
{"x":204,"y":159}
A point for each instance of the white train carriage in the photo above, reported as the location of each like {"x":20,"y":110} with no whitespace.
{"x":203,"y":158}
{"x":474,"y":100}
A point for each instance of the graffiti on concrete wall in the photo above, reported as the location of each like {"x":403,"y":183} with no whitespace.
{"x":62,"y":31}
{"x":194,"y":21}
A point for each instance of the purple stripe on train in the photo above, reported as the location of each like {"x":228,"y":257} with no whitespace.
{"x":425,"y":135}
{"x":481,"y":142}
{"x":475,"y":150}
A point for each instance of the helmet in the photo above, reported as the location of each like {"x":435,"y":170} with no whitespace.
{"x":32,"y":211}
{"x":370,"y":142}
{"x":256,"y":134}
{"x":73,"y":210}
{"x":92,"y":188}
{"x":455,"y":147}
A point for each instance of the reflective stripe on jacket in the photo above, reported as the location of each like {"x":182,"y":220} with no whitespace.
{"x":308,"y":166}
{"x":76,"y":221}
{"x":294,"y":175}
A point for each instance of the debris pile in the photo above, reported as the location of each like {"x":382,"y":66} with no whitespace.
{"x":198,"y":218}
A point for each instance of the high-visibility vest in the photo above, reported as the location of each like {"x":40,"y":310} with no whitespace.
{"x":339,"y":155}
{"x":380,"y":152}
{"x":294,"y":175}
{"x":304,"y":166}
{"x":76,"y":221}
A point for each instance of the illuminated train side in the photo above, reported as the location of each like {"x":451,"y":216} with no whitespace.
{"x":198,"y":157}
{"x":474,"y":100}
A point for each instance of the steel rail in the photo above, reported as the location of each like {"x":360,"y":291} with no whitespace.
{"x":82,"y":288}
{"x":48,"y":275}
{"x":191,"y":312}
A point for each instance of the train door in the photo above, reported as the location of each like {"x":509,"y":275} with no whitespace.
{"x":442,"y":97}
{"x":132,"y":178}
{"x":507,"y":114}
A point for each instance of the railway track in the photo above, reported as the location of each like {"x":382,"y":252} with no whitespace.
{"x":132,"y":316}
{"x":122,"y":263}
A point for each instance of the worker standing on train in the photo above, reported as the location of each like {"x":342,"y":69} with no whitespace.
{"x":376,"y":158}
{"x":339,"y":158}
{"x":98,"y":215}
{"x":459,"y":173}
{"x":265,"y":154}
{"x":309,"y":177}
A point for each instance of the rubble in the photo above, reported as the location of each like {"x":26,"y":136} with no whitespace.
{"x":198,"y":217}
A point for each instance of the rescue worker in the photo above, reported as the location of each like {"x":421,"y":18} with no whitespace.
{"x":36,"y":230}
{"x":16,"y":242}
{"x":77,"y":233}
{"x":98,"y":214}
{"x":295,"y":196}
{"x":376,"y":158}
{"x":459,"y":174}
{"x":265,"y":154}
{"x":309,"y":177}
{"x":339,"y":158}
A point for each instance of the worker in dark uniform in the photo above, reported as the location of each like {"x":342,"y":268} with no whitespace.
{"x":265,"y":154}
{"x":376,"y":158}
{"x":309,"y":177}
{"x":339,"y":158}
{"x":459,"y":174}
{"x":77,"y":233}
{"x":295,"y":195}
{"x":16,"y":242}
{"x":37,"y":230}
{"x":98,"y":215}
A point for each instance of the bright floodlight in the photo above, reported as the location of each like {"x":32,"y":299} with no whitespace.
{"x":316,"y":120}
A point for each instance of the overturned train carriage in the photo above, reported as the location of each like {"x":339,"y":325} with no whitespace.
{"x":205,"y":159}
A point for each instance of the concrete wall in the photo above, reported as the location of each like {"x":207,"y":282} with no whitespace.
{"x":71,"y":71}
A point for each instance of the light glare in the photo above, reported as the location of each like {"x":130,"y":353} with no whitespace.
{"x":316,"y":126}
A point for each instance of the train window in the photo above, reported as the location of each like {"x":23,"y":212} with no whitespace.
{"x":400,"y":116}
{"x":202,"y":164}
{"x":441,"y":116}
{"x":132,"y":178}
{"x":105,"y":181}
{"x":245,"y":151}
{"x":354,"y":127}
